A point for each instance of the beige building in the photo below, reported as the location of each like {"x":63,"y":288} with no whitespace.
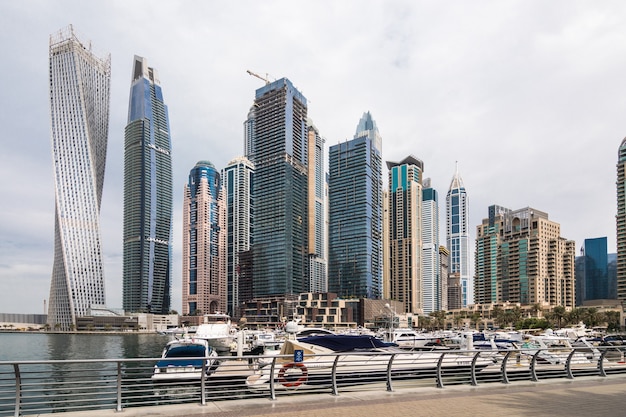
{"x":404,"y":228}
{"x":204,"y":266}
{"x":522,"y":258}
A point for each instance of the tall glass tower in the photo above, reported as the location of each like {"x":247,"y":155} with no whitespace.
{"x":79,"y":117}
{"x":204,"y":277}
{"x":620,"y":219}
{"x":239,"y":209}
{"x":280,"y":252}
{"x":457,"y":237}
{"x":405,"y":233}
{"x":318,"y":281}
{"x":431,"y":278}
{"x":355,"y":213}
{"x":147,"y":196}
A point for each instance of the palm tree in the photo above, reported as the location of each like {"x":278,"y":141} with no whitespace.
{"x":536,"y":309}
{"x":559,"y":314}
{"x":439,"y":318}
{"x":475,"y":318}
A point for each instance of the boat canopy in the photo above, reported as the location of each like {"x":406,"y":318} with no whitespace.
{"x":346,"y":343}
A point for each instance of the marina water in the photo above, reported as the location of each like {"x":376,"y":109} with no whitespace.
{"x":20,"y":346}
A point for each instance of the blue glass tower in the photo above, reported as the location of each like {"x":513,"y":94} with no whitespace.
{"x":355,"y":205}
{"x":457,"y":237}
{"x":148,"y":196}
{"x":280,"y":248}
{"x":595,"y":270}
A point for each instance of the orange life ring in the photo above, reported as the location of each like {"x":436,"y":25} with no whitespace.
{"x":302,"y":378}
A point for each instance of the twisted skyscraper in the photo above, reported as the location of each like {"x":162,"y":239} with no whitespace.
{"x":79,"y":116}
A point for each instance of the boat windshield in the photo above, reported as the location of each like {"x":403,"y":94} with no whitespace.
{"x":191,"y":351}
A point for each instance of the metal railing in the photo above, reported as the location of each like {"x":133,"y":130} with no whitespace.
{"x":37,"y":387}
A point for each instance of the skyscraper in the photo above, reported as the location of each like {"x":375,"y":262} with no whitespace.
{"x":522,"y":258}
{"x":148,"y":196}
{"x":317,"y":212}
{"x":79,"y":116}
{"x":620,"y":219}
{"x":592,"y":278}
{"x":431,"y":278}
{"x":204,"y":266}
{"x":280,"y":252}
{"x":457,"y":237}
{"x":405,"y":233}
{"x":237,"y":178}
{"x":355,"y":194}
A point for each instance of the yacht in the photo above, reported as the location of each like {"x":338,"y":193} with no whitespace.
{"x":218,"y":331}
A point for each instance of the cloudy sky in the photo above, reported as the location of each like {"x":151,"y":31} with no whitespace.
{"x":528,"y":96}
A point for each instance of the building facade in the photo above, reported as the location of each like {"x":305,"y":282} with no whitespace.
{"x":204,"y":267}
{"x":444,"y":260}
{"x":148,"y":198}
{"x":406,"y":234}
{"x":457,"y":237}
{"x":280,"y":248}
{"x":431,"y":278}
{"x":79,"y":117}
{"x":593,"y":281}
{"x":355,"y":265}
{"x":318,"y":279}
{"x":522,"y":258}
{"x":620,"y":220}
{"x":238,"y":178}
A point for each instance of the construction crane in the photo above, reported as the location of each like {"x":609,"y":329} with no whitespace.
{"x":254,"y":74}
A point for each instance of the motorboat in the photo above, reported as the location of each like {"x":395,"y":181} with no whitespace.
{"x":184,"y":359}
{"x":552,"y":349}
{"x":354,"y":358}
{"x":407,"y":338}
{"x":218,"y":331}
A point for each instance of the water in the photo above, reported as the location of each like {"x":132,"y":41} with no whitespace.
{"x":69,"y":346}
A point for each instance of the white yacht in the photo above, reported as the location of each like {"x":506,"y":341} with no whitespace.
{"x":218,"y":331}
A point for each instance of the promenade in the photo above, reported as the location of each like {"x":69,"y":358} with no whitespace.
{"x":585,"y":396}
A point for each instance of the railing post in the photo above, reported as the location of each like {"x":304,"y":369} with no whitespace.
{"x":439,"y":376}
{"x":203,"y":382}
{"x":272,"y":388}
{"x":389,"y":386}
{"x":568,"y":365}
{"x":505,"y":377}
{"x":333,"y":376}
{"x":119,"y":386}
{"x":473,"y":379}
{"x":533,"y":363}
{"x":18,"y":389}
{"x":601,"y":370}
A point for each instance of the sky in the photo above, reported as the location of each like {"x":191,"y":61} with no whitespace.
{"x":527,"y":98}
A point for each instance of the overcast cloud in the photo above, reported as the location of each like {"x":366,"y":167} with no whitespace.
{"x":528,"y":96}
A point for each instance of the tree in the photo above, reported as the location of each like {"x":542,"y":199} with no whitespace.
{"x":559,"y":314}
{"x":536,"y":309}
{"x":475,"y":318}
{"x":439,"y":318}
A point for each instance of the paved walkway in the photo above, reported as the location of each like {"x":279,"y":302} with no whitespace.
{"x":584,"y":396}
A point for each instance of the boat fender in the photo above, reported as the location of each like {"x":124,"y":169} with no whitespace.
{"x":302,"y":378}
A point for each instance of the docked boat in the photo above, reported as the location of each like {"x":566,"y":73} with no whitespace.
{"x":554,"y":350}
{"x":218,"y":331}
{"x":359,"y":358}
{"x":184,"y":359}
{"x":407,"y":338}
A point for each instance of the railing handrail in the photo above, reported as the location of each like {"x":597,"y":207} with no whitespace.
{"x":130,"y":379}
